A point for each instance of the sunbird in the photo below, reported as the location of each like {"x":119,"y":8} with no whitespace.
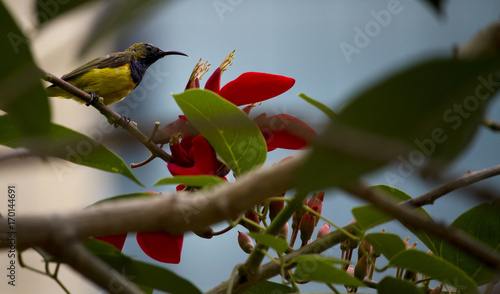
{"x":112,"y":76}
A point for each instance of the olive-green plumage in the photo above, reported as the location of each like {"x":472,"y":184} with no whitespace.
{"x":115,"y":75}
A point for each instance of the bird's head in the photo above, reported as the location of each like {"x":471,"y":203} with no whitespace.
{"x":148,"y":53}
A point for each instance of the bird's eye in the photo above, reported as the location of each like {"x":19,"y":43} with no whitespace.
{"x":149,"y":47}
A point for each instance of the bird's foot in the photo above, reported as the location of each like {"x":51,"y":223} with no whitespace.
{"x":94,"y":98}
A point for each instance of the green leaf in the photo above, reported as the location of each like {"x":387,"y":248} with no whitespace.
{"x":142,"y":274}
{"x":23,"y":96}
{"x":435,"y":267}
{"x":325,"y":109}
{"x":390,"y":285}
{"x":69,"y":145}
{"x":193,"y":181}
{"x":278,"y":244}
{"x":267,"y":287}
{"x":233,"y":135}
{"x":481,"y":222}
{"x":368,"y":216}
{"x":315,"y":268}
{"x":425,"y":113}
{"x":385,"y":243}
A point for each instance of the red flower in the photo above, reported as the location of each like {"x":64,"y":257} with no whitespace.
{"x":254,"y":87}
{"x":195,"y":157}
{"x":280,"y":131}
{"x":248,"y":88}
{"x":116,"y":240}
{"x":160,"y":246}
{"x":284,"y":131}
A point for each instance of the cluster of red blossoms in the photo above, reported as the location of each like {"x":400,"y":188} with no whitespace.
{"x":192,"y":154}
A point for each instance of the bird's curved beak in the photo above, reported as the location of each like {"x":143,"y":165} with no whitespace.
{"x":165,"y":53}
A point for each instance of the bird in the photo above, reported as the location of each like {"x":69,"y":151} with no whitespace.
{"x":113,"y":76}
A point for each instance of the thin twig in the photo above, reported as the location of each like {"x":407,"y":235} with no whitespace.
{"x":111,"y":115}
{"x":67,"y":248}
{"x":411,"y":218}
{"x":269,"y":270}
{"x":491,"y":124}
{"x":465,"y":180}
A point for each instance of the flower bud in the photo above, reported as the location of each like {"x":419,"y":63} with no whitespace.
{"x":360,"y":270}
{"x":364,"y":247}
{"x":284,"y":231}
{"x":411,"y":276}
{"x":206,"y":232}
{"x":350,"y":270}
{"x":307,"y":224}
{"x":250,"y":214}
{"x":245,"y":242}
{"x":316,"y":203}
{"x":324,"y":230}
{"x":275,"y":207}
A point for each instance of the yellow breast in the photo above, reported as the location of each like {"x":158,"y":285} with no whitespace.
{"x":112,"y":84}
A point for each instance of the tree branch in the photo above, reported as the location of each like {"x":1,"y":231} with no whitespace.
{"x":491,"y":124}
{"x":271,"y":269}
{"x":406,"y":215}
{"x":67,"y":248}
{"x":465,"y":180}
{"x":109,"y":114}
{"x":173,"y":213}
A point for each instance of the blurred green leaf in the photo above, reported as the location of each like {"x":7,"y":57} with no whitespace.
{"x":315,"y":268}
{"x":433,"y":266}
{"x":390,"y":285}
{"x":267,"y":287}
{"x":429,"y":112}
{"x":385,"y":243}
{"x":46,"y":10}
{"x":142,"y":274}
{"x":234,"y":136}
{"x":325,"y":109}
{"x":277,"y":243}
{"x":193,"y":181}
{"x":69,"y":145}
{"x":368,"y":216}
{"x":481,"y":222}
{"x":23,"y":96}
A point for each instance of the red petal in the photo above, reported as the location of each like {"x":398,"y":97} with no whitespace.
{"x":115,"y":240}
{"x":213,"y":83}
{"x":177,"y":170}
{"x":253,"y":87}
{"x":204,"y":156}
{"x":161,"y":246}
{"x":284,"y":131}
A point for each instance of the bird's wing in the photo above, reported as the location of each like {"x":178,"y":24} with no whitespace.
{"x":111,"y":60}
